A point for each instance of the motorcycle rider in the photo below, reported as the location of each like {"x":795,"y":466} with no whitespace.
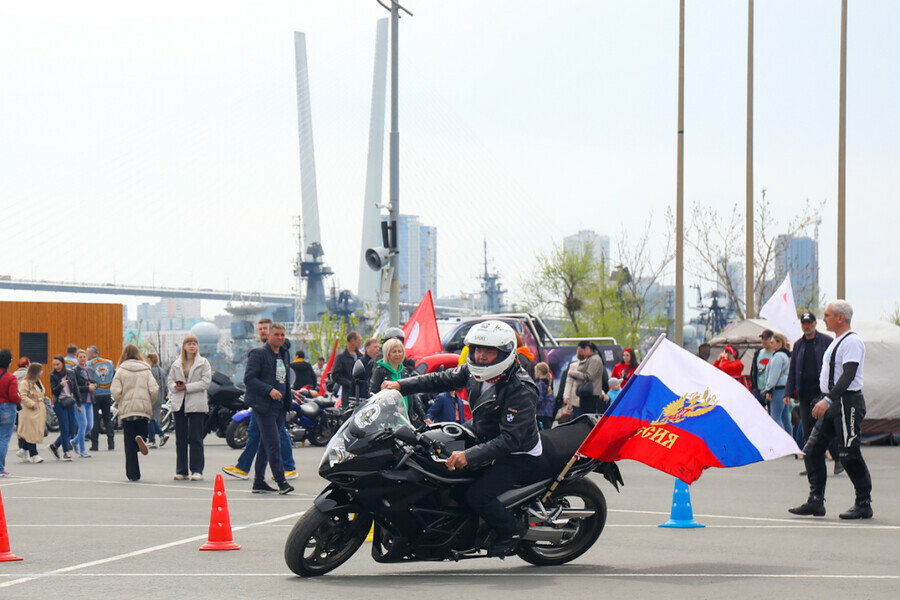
{"x":503,"y":398}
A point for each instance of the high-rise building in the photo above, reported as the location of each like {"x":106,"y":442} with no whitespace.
{"x":169,"y":308}
{"x":599,"y":245}
{"x":798,"y":256}
{"x":417,"y":259}
{"x":736,"y":275}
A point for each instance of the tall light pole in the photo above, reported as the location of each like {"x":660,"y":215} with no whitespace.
{"x":394,"y":217}
{"x":679,"y":208}
{"x":842,"y":157}
{"x":748,"y":251}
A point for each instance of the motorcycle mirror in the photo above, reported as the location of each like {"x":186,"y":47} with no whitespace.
{"x":359,"y":370}
{"x":406,"y":435}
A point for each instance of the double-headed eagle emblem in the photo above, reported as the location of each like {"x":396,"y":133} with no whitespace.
{"x":692,"y":404}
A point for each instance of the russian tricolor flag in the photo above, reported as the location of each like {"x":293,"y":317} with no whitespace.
{"x":681,"y":415}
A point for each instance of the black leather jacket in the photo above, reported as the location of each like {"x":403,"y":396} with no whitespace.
{"x":503,"y":418}
{"x":416,"y":408}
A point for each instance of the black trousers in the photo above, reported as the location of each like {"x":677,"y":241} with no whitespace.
{"x":131,"y":428}
{"x":102,"y":406}
{"x":189,"y":434}
{"x":493,"y":481}
{"x":804,"y":407}
{"x":842,"y":421}
{"x":269,"y":452}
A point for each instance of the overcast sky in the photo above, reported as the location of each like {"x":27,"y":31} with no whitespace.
{"x":156,"y":143}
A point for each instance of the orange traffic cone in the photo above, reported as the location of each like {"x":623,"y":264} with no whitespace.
{"x":219,"y":522}
{"x":5,"y":554}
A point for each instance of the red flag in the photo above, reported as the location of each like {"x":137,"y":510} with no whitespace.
{"x":422,"y":335}
{"x":327,"y":369}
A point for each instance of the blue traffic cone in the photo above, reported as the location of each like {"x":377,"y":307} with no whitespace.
{"x":682,"y":514}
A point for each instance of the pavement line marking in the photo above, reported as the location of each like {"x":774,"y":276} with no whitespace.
{"x":122,"y":525}
{"x":185,"y":485}
{"x":103,"y":561}
{"x":786,"y":526}
{"x":150,"y":498}
{"x":21,"y":482}
{"x":794,"y":521}
{"x":518,"y":575}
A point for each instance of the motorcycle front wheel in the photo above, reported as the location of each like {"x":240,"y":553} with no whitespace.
{"x":236,"y":434}
{"x":579,"y":494}
{"x":321,"y":542}
{"x":321,"y":435}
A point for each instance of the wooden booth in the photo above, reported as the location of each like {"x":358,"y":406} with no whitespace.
{"x":41,"y":330}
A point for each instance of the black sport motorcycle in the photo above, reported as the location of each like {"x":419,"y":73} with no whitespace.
{"x":383,"y":471}
{"x":225,"y":399}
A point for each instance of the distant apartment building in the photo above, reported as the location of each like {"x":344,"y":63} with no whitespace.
{"x":417,"y":261}
{"x":169,"y":308}
{"x":736,"y":275}
{"x":599,"y":245}
{"x":798,"y":256}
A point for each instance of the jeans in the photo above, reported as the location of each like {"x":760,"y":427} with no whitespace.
{"x":153,"y":430}
{"x":780,"y":411}
{"x":102,"y":408}
{"x":81,"y":426}
{"x":133,"y":427}
{"x":7,"y":422}
{"x":245,"y":461}
{"x":89,"y":418}
{"x":68,"y":427}
{"x":269,"y":451}
{"x":189,"y":434}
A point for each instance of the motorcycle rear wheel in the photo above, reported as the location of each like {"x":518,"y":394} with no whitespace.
{"x":321,"y":542}
{"x":321,"y":435}
{"x":581,"y":493}
{"x":236,"y":434}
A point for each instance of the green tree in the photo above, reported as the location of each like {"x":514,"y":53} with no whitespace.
{"x":321,"y":334}
{"x":561,"y":281}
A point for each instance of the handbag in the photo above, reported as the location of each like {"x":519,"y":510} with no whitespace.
{"x":585,"y":389}
{"x":67,"y":402}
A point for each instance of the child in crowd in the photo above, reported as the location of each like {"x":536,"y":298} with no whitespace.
{"x":546,"y":400}
{"x":615,"y":386}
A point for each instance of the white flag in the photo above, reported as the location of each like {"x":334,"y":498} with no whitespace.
{"x":780,"y":310}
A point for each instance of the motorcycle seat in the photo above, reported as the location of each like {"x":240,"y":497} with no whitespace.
{"x":561,"y":442}
{"x":325,"y":402}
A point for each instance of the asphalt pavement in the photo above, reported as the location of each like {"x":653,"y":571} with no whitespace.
{"x":84,"y":531}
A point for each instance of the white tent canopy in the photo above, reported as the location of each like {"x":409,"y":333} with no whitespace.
{"x":882,"y":341}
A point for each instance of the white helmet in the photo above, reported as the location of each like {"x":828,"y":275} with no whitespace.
{"x":491,"y":334}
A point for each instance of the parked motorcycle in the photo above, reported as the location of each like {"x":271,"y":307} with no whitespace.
{"x":312,"y":419}
{"x":382,"y":470}
{"x":225,"y":399}
{"x":166,"y":418}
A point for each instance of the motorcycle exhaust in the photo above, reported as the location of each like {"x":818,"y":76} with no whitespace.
{"x":547,"y":534}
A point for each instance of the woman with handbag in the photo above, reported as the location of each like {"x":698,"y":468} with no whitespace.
{"x":33,"y":416}
{"x":133,"y":389}
{"x":189,"y":378}
{"x":66,"y":397}
{"x":9,"y":401}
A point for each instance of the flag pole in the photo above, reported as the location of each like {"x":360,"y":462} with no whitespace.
{"x":599,"y":424}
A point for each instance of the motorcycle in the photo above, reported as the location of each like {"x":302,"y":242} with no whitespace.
{"x":224,"y":401}
{"x":313,"y":419}
{"x":383,"y":471}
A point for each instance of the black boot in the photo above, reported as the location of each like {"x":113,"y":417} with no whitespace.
{"x":861,"y":509}
{"x":814,"y":506}
{"x":505,"y":546}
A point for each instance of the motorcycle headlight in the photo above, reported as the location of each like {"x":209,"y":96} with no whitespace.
{"x":335,"y":453}
{"x":337,"y":456}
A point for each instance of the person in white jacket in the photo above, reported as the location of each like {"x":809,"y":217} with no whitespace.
{"x":133,"y":389}
{"x":189,"y":378}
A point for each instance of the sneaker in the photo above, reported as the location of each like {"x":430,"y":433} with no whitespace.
{"x":263,"y":488}
{"x":285,"y":488}
{"x":290,"y":474}
{"x":21,"y":454}
{"x":235,"y":472}
{"x":6,"y":474}
{"x":152,"y":445}
{"x":804,"y":473}
{"x":54,"y":449}
{"x":196,"y":476}
{"x":142,"y":445}
{"x":814,"y":507}
{"x":179,"y":477}
{"x":860,"y":510}
{"x":84,"y":455}
{"x":36,"y":459}
{"x":163,"y":440}
{"x":67,"y":457}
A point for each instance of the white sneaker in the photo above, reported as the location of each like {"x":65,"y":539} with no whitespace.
{"x":36,"y":459}
{"x":21,"y":454}
{"x":196,"y":477}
